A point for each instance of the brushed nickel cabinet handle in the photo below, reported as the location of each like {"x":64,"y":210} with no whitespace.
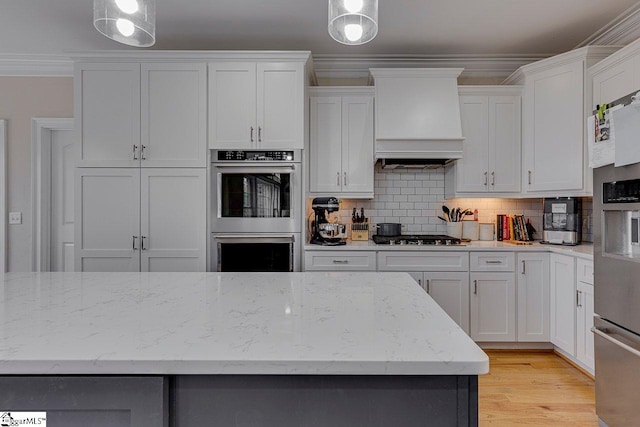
{"x":142,"y":157}
{"x":133,"y":242}
{"x":340,"y":261}
{"x":493,"y":262}
{"x":475,"y":287}
{"x":251,"y":133}
{"x":486,"y":179}
{"x":529,"y":177}
{"x":428,"y":286}
{"x":345,"y":180}
{"x":578,"y":299}
{"x":493,"y":178}
{"x":524,"y":267}
{"x":135,"y":152}
{"x":420,"y":282}
{"x":142,"y":239}
{"x":259,"y":133}
{"x":338,"y":179}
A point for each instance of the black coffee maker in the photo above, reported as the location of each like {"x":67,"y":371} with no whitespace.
{"x":324,"y":232}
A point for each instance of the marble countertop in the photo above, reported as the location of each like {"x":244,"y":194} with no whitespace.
{"x":581,"y":251}
{"x":228,"y":323}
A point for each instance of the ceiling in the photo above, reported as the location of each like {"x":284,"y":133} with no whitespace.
{"x":430,"y":27}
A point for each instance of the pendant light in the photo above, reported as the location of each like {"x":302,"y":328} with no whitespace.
{"x":353,"y":22}
{"x":132,"y":22}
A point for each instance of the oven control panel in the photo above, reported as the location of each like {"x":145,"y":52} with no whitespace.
{"x":621,"y":191}
{"x":255,"y":156}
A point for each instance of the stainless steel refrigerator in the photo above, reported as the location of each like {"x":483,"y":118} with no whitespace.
{"x":616,"y":213}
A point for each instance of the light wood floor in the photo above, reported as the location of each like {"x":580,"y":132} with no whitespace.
{"x":535,"y":389}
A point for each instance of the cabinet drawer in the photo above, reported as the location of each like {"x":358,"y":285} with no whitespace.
{"x":585,"y":271}
{"x":340,"y":261}
{"x":423,"y":261}
{"x":492,"y":261}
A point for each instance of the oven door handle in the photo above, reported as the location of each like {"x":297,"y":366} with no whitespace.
{"x":273,"y":238}
{"x":602,"y":332}
{"x":245,"y":166}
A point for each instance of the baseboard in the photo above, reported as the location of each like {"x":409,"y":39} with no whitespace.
{"x":573,"y":363}
{"x":545,"y":346}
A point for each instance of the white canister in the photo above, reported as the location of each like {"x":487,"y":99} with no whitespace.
{"x":454,"y":229}
{"x":470,"y":230}
{"x":486,"y":231}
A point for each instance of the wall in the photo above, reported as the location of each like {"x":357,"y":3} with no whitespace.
{"x":22,"y":98}
{"x":415,"y":199}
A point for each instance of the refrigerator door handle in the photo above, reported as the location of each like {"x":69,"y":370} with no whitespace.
{"x":602,"y":332}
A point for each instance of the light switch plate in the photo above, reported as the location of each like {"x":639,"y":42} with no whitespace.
{"x":15,"y":218}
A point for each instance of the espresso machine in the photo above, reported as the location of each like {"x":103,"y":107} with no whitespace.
{"x":562,"y":221}
{"x":324,"y":232}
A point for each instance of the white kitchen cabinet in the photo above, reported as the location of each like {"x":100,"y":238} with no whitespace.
{"x":131,"y":219}
{"x":563,"y":301}
{"x":555,"y":104}
{"x":533,"y":297}
{"x":149,"y":115}
{"x":174,"y":115}
{"x":451,"y":291}
{"x":493,"y":307}
{"x":173,"y":219}
{"x":341,"y":157}
{"x":617,"y":75}
{"x":324,"y":260}
{"x":491,"y":127}
{"x":256,"y":105}
{"x":584,"y":323}
{"x":107,"y":219}
{"x":107,"y":111}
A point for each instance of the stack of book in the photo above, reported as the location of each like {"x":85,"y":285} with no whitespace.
{"x":513,"y":227}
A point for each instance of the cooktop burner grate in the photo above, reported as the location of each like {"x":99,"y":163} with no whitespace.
{"x":416,"y":239}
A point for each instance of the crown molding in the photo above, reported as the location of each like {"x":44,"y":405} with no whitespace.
{"x":357,"y":66}
{"x":36,"y":65}
{"x":624,"y":29}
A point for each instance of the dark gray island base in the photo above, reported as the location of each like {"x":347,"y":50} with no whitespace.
{"x":246,"y":400}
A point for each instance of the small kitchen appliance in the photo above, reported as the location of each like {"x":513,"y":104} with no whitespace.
{"x":562,"y":222}
{"x":324,"y":232}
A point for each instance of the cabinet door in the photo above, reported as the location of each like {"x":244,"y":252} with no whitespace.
{"x":232,"y":105}
{"x":563,"y":302}
{"x":554,"y":122}
{"x":615,"y":82}
{"x":280,"y":110}
{"x":174,"y":115}
{"x":533,"y":297}
{"x":504,"y":143}
{"x":325,"y":144}
{"x":451,"y":292}
{"x":107,"y":219}
{"x":493,"y":307}
{"x":357,"y":144}
{"x":107,"y":110}
{"x":473,"y":168}
{"x":584,"y":336}
{"x":418,"y":277}
{"x":173,"y":220}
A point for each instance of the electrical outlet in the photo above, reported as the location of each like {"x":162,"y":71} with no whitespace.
{"x":15,"y":218}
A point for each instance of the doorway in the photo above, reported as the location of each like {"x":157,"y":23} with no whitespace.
{"x":53,"y":169}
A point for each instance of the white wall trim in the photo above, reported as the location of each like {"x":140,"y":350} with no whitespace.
{"x":624,"y":29}
{"x":41,"y":188}
{"x":3,"y":196}
{"x":36,"y":65}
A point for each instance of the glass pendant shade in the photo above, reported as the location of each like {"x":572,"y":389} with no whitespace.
{"x":353,"y":22}
{"x":131,"y":22}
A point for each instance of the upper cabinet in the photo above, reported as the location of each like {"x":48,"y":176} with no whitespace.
{"x":616,"y":76}
{"x":256,"y":105}
{"x":149,"y":115}
{"x":341,"y":156}
{"x":491,"y":150}
{"x":556,"y":103}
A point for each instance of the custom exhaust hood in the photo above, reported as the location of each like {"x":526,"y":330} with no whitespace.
{"x":417,"y":116}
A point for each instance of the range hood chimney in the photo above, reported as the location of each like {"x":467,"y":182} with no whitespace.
{"x":417,"y":115}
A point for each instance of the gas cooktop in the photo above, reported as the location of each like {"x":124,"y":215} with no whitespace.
{"x":417,"y":239}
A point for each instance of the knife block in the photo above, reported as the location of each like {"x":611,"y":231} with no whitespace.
{"x":360,"y":231}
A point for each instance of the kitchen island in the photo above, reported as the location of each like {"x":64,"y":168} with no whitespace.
{"x":234,"y":349}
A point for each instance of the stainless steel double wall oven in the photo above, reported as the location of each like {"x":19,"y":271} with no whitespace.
{"x":256,"y":215}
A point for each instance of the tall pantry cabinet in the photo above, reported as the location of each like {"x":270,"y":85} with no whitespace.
{"x":140,"y":190}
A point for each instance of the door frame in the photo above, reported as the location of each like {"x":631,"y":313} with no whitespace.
{"x":41,"y":188}
{"x":3,"y":197}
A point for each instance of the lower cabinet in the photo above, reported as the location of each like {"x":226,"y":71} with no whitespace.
{"x":450,"y":290}
{"x":584,"y":323}
{"x":533,"y":297}
{"x":563,"y":302}
{"x":132,"y":219}
{"x":493,"y":307}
